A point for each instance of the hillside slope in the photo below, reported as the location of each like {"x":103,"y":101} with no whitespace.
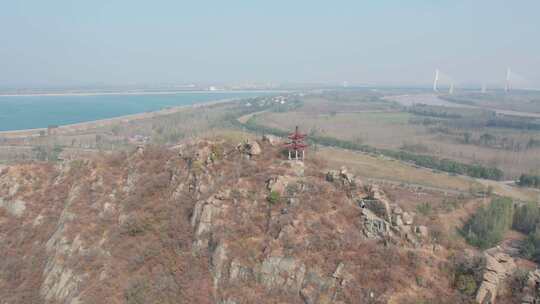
{"x":208,"y":222}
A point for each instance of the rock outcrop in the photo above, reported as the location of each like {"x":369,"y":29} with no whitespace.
{"x":271,"y":139}
{"x":342,"y":177}
{"x":279,"y":184}
{"x":250,"y":148}
{"x":374,"y":226}
{"x":284,"y":273}
{"x":378,"y":202}
{"x":499,"y":266}
{"x":15,"y":208}
{"x":204,"y":216}
{"x":197,"y":226}
{"x":531,"y":290}
{"x":382,"y":219}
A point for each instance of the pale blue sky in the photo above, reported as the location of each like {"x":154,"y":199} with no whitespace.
{"x":66,"y":42}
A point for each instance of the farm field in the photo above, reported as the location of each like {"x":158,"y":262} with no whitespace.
{"x":453,"y":133}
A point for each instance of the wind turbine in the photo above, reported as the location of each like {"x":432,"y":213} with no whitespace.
{"x":507,"y":84}
{"x":435,"y":88}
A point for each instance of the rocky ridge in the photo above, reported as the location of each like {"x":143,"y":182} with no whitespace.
{"x":197,"y":223}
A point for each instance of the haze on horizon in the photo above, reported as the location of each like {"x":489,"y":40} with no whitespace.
{"x":66,"y":43}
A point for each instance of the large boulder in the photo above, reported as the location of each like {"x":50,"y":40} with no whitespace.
{"x":499,"y":266}
{"x":282,"y":272}
{"x":397,"y":220}
{"x":397,"y":210}
{"x":374,"y":227}
{"x":378,"y":200}
{"x":253,"y":147}
{"x":422,"y":231}
{"x":531,"y":289}
{"x":346,"y":175}
{"x":271,"y":139}
{"x":342,"y":177}
{"x":408,"y":218}
{"x":240,"y":272}
{"x":218,"y":263}
{"x":202,"y":220}
{"x":15,"y":208}
{"x":250,"y":148}
{"x":279,"y":184}
{"x":318,"y":288}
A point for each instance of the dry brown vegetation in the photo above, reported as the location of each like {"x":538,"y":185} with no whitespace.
{"x":141,"y":257}
{"x":120,"y":225}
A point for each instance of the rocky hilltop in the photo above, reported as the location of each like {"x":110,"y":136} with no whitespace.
{"x":209,"y":222}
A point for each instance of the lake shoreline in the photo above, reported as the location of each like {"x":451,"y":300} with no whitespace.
{"x":82,"y":126}
{"x":137,"y":93}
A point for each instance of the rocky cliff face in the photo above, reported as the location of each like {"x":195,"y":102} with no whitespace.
{"x":204,"y":224}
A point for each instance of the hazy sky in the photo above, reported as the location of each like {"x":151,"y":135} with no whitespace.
{"x":66,"y":42}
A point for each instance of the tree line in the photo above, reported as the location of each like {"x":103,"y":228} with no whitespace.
{"x":527,"y":220}
{"x":432,"y":112}
{"x":529,"y":180}
{"x":487,"y":227}
{"x":521,"y":124}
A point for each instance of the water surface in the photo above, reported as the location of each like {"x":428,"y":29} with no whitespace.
{"x":30,"y":112}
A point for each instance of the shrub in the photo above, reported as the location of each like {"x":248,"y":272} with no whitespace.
{"x":518,"y":281}
{"x":451,"y":205}
{"x":116,"y":159}
{"x":217,"y":152}
{"x":467,"y":272}
{"x":47,"y":153}
{"x":134,"y":226}
{"x":197,"y":167}
{"x":273,"y":197}
{"x":421,"y":282}
{"x":236,"y":194}
{"x":135,"y":293}
{"x":292,"y":189}
{"x":466,"y":284}
{"x":424,"y":208}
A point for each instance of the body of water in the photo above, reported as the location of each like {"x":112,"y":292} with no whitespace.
{"x":434,"y":100}
{"x":30,"y":112}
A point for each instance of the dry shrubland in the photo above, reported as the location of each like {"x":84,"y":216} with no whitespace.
{"x":150,"y":227}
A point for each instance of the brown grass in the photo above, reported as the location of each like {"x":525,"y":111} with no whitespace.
{"x":387,"y":169}
{"x":391,"y":129}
